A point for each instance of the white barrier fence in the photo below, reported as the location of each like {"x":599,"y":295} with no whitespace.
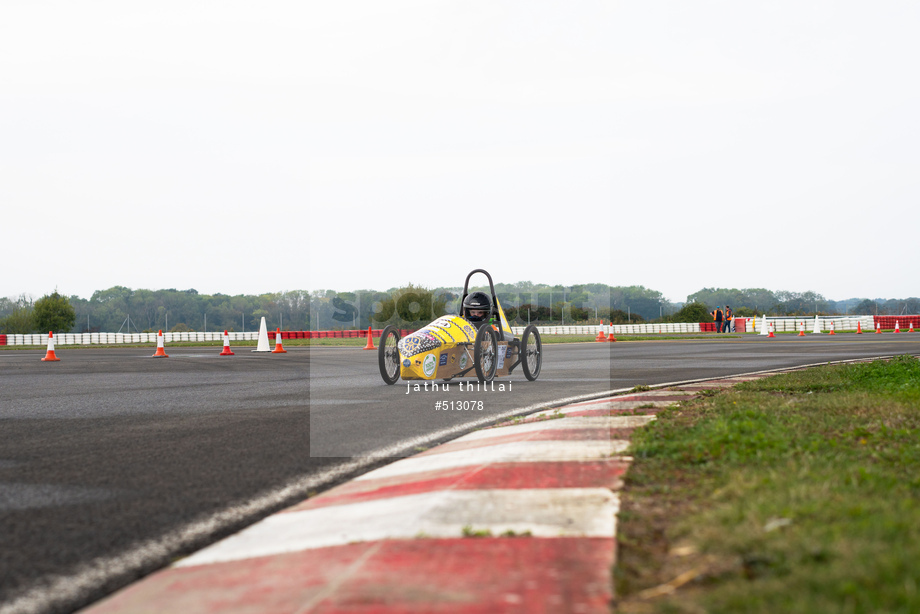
{"x":841,"y":323}
{"x":116,"y":338}
{"x":618,"y":329}
{"x":783,"y":324}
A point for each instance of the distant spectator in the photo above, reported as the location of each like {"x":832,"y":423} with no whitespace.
{"x":717,"y":315}
{"x":729,"y":320}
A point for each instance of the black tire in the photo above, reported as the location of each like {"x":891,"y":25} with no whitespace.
{"x":485,"y":353}
{"x":388,"y":355}
{"x":531,"y":352}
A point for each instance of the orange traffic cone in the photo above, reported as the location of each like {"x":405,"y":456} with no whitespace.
{"x":878,"y":328}
{"x":911,"y":326}
{"x":279,"y":349}
{"x":161,"y":347}
{"x":610,"y":336}
{"x":858,"y":327}
{"x":49,"y":355}
{"x":370,"y":340}
{"x":226,"y":351}
{"x":801,"y":329}
{"x":897,"y":327}
{"x":600,"y":333}
{"x":771,"y":330}
{"x":832,"y":329}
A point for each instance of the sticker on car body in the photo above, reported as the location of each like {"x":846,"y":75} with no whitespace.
{"x":429,"y":365}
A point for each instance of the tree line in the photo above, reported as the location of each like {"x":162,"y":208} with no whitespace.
{"x":754,"y":301}
{"x":127,"y":310}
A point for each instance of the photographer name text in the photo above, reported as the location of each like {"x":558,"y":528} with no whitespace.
{"x":464,"y":387}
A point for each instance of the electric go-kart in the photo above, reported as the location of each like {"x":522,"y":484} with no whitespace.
{"x":479,"y":341}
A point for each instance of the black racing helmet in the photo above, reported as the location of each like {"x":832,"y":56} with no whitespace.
{"x":477,"y":301}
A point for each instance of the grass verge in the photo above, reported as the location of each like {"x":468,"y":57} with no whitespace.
{"x":796,"y":493}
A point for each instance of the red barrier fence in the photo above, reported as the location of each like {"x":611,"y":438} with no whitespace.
{"x":903,"y":322}
{"x":2,"y":339}
{"x":739,"y":323}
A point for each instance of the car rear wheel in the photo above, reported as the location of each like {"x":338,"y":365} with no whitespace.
{"x":531,"y":352}
{"x":485,"y":352}
{"x":388,"y":355}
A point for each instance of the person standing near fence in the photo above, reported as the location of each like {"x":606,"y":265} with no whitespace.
{"x":729,"y":320}
{"x":717,"y":316}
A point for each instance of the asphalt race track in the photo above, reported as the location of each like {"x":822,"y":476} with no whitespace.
{"x":112,"y":463}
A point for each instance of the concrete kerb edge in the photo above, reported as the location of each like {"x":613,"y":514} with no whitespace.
{"x":154,"y":554}
{"x":82,"y":585}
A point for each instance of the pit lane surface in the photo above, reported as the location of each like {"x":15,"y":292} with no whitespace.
{"x":112,"y":463}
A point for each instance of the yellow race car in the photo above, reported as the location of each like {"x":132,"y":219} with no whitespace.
{"x":479,"y":341}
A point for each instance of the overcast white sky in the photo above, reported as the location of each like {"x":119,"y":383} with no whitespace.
{"x":253,"y":147}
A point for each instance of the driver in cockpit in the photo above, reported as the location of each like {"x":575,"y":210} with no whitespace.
{"x":476,"y":308}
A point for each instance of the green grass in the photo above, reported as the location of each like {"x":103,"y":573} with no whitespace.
{"x":469,"y":531}
{"x":795,"y":493}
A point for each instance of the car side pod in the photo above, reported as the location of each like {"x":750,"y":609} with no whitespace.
{"x":49,"y":354}
{"x":161,"y":347}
